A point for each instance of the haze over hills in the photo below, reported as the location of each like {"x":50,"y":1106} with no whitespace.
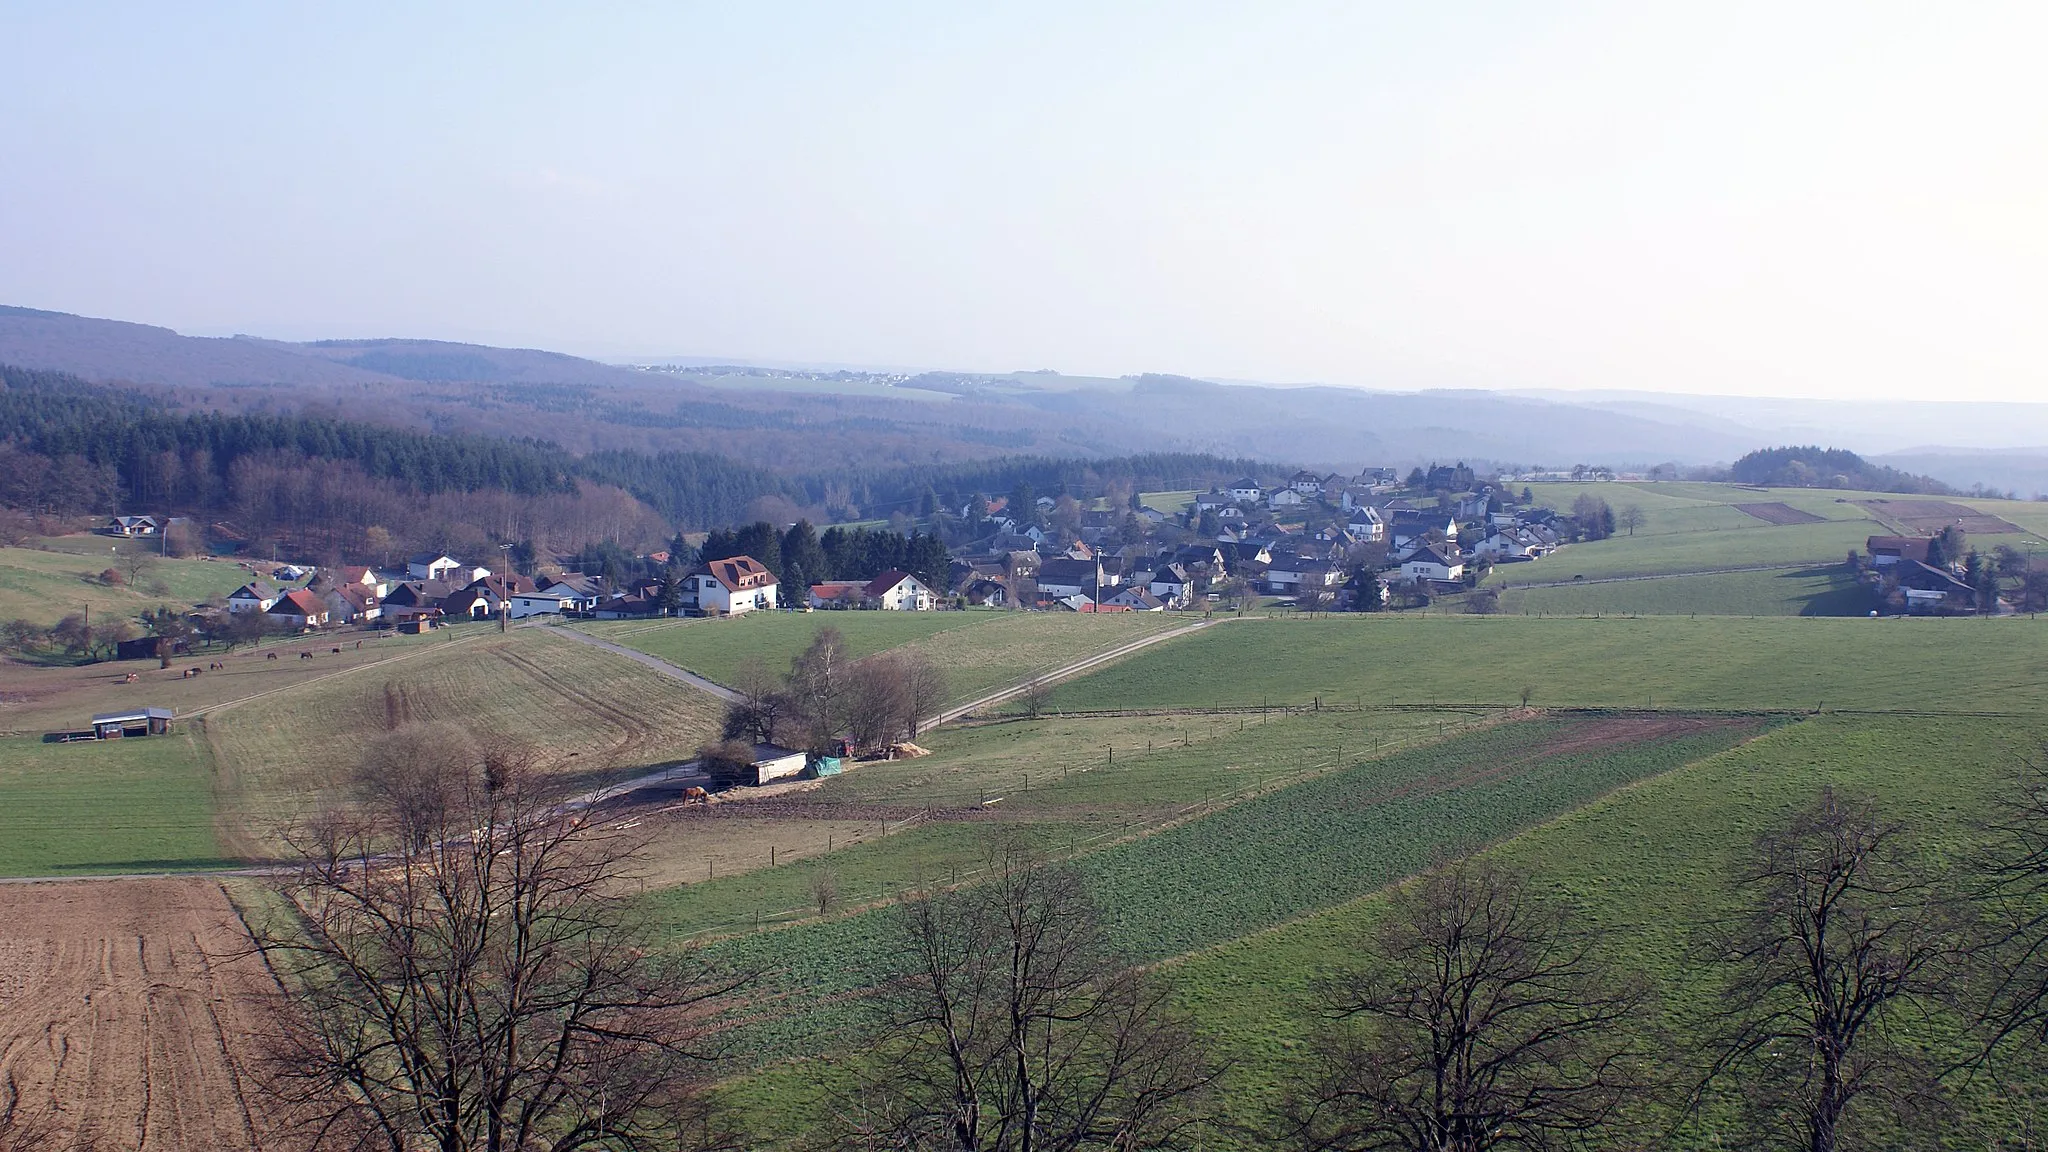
{"x":776,"y":411}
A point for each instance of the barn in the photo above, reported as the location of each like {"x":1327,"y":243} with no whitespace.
{"x":140,"y":722}
{"x":772,"y":762}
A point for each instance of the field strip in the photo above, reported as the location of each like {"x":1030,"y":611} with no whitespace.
{"x":1057,"y":674}
{"x":655,"y":662}
{"x":226,"y":704}
{"x":1661,"y":576}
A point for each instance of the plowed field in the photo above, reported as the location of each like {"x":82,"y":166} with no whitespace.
{"x":124,"y":1023}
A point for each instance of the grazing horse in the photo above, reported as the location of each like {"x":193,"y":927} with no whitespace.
{"x":270,"y":655}
{"x":337,"y":651}
{"x":305,"y":655}
{"x":359,"y":645}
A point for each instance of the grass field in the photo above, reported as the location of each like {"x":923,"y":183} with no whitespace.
{"x":591,"y":711}
{"x":1648,"y":864}
{"x":1697,"y":528}
{"x":106,"y":806}
{"x":1053,"y":780}
{"x":1364,"y":824}
{"x":1815,"y":591}
{"x":979,"y":651}
{"x":42,"y":585}
{"x":1709,"y":662}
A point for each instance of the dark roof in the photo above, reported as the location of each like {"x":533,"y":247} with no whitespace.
{"x":134,"y":714}
{"x":255,"y":589}
{"x":1066,"y":571}
{"x":1904,"y":547}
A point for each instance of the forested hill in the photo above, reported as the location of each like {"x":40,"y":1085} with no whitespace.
{"x":157,"y":455}
{"x":1813,"y":467}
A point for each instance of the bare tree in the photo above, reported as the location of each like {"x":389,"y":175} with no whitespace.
{"x":2012,"y":894}
{"x":472,"y":980}
{"x":1482,"y":1019}
{"x":820,"y":688}
{"x":824,"y":890}
{"x":1035,"y":695}
{"x":925,"y":682}
{"x":1313,"y":599}
{"x":878,"y":707}
{"x":1630,"y":518}
{"x":1843,"y":934}
{"x":1018,"y":1030}
{"x":764,"y":709}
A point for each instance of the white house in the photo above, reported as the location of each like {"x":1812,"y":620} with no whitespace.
{"x":298,"y":608}
{"x":582,"y":593}
{"x":1247,"y":491}
{"x":255,"y":596}
{"x":133,"y":526}
{"x":1137,"y":600}
{"x":1433,"y":562}
{"x":1287,"y":498}
{"x":1173,"y":585}
{"x":434,"y":566}
{"x":1306,"y":483}
{"x":1513,"y":541}
{"x":734,"y":585}
{"x":899,"y":592}
{"x":1366,"y":524}
{"x":527,"y":604}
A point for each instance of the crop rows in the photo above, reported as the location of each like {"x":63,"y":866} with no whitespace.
{"x":1285,"y":854}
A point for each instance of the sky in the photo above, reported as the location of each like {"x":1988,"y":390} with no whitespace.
{"x":1822,"y":200}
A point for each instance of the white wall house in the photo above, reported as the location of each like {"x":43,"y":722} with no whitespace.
{"x":732,"y":586}
{"x":254,"y":596}
{"x":1247,"y":491}
{"x":1433,"y":563}
{"x":434,"y":566}
{"x":1366,"y":524}
{"x":897,"y":591}
{"x":537,"y":604}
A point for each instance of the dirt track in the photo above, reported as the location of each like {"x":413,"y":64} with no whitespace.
{"x":122,"y":1023}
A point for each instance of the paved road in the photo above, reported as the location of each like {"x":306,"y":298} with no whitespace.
{"x":654,"y":662}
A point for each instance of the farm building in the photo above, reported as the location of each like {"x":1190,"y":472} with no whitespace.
{"x":139,"y":722}
{"x":1886,"y":551}
{"x":772,"y":762}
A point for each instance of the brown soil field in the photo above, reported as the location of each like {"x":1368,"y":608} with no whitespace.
{"x":1780,"y":514}
{"x":127,"y":1020}
{"x":1927,"y":517}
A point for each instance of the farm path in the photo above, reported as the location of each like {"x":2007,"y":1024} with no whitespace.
{"x":654,"y":662}
{"x":1062,"y":673}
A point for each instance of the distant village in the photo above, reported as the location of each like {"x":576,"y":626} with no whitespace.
{"x":1366,"y":542}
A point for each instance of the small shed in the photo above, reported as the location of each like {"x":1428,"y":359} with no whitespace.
{"x":772,"y":762}
{"x":823,"y":766}
{"x":139,"y":722}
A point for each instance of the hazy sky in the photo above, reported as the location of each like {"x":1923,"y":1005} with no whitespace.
{"x":1820,"y":200}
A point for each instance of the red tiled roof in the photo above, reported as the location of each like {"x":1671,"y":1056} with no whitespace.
{"x":739,"y":572}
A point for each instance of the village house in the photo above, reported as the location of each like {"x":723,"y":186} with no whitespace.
{"x":1925,"y":588}
{"x":351,"y":604}
{"x":434,"y":566}
{"x":133,"y":526}
{"x":1433,"y":562}
{"x":582,"y":592}
{"x":1246,"y":490}
{"x":1173,"y":585}
{"x":1061,"y":578}
{"x":895,"y":591}
{"x":1136,"y":600}
{"x":733,"y":585}
{"x":298,"y":609}
{"x":1286,"y":498}
{"x":255,"y":596}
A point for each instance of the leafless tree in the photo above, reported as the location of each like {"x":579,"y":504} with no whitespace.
{"x":824,"y":890}
{"x":475,"y":981}
{"x":1843,"y":935}
{"x":1035,"y":695}
{"x":877,"y":704}
{"x":1017,"y":1030}
{"x":820,"y":688}
{"x":1482,"y":1019}
{"x":926,"y":685}
{"x":2012,"y":895}
{"x":727,"y":762}
{"x":1314,"y":599}
{"x":764,"y":709}
{"x":1630,"y":518}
